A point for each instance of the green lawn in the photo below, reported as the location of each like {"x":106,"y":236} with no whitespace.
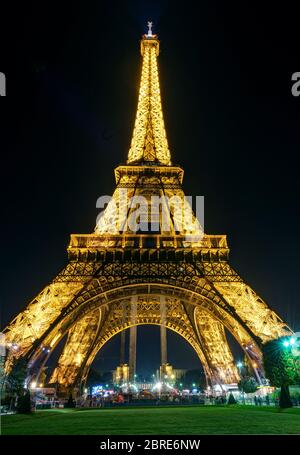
{"x":161,"y":421}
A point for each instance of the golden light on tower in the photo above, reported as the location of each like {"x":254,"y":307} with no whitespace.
{"x":149,"y":139}
{"x":113,"y":268}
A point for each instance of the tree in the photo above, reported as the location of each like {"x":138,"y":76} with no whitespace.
{"x":231,"y":399}
{"x":70,"y":403}
{"x":24,"y":403}
{"x":248,"y":384}
{"x":17,"y":376}
{"x":281,"y":368}
{"x":15,"y":380}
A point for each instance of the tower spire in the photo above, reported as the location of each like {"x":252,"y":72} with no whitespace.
{"x":149,"y":140}
{"x":149,"y":34}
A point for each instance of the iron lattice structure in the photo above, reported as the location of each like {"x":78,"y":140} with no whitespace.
{"x":116,"y":278}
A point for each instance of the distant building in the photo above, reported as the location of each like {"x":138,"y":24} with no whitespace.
{"x":121,"y":374}
{"x":167,"y":372}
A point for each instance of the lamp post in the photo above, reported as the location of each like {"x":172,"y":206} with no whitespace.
{"x":134,"y":381}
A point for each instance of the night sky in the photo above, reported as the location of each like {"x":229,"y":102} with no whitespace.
{"x":232,"y":123}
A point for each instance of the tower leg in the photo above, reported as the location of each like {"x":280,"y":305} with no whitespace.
{"x":122,"y":347}
{"x":132,"y":339}
{"x":163,"y":344}
{"x":80,"y":338}
{"x":123,"y":336}
{"x":218,"y":353}
{"x":132,"y":352}
{"x":163,"y":332}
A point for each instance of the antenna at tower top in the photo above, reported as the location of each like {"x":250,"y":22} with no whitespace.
{"x":149,"y":28}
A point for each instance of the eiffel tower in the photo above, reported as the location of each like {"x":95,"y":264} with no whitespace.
{"x":119,"y":277}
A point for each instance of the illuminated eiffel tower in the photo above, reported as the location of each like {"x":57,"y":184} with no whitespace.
{"x":119,"y":277}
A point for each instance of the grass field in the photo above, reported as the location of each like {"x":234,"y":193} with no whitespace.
{"x":161,"y":421}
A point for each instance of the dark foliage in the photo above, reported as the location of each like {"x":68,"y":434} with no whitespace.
{"x":248,"y":384}
{"x":231,"y":399}
{"x":281,"y":368}
{"x":24,"y":403}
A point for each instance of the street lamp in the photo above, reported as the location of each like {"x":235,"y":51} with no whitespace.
{"x":289,"y":342}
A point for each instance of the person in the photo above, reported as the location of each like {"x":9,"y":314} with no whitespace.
{"x":102,"y":401}
{"x":255,"y":400}
{"x":267,"y":400}
{"x":120,"y":398}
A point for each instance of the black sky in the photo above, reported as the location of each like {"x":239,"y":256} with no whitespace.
{"x":72,"y":81}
